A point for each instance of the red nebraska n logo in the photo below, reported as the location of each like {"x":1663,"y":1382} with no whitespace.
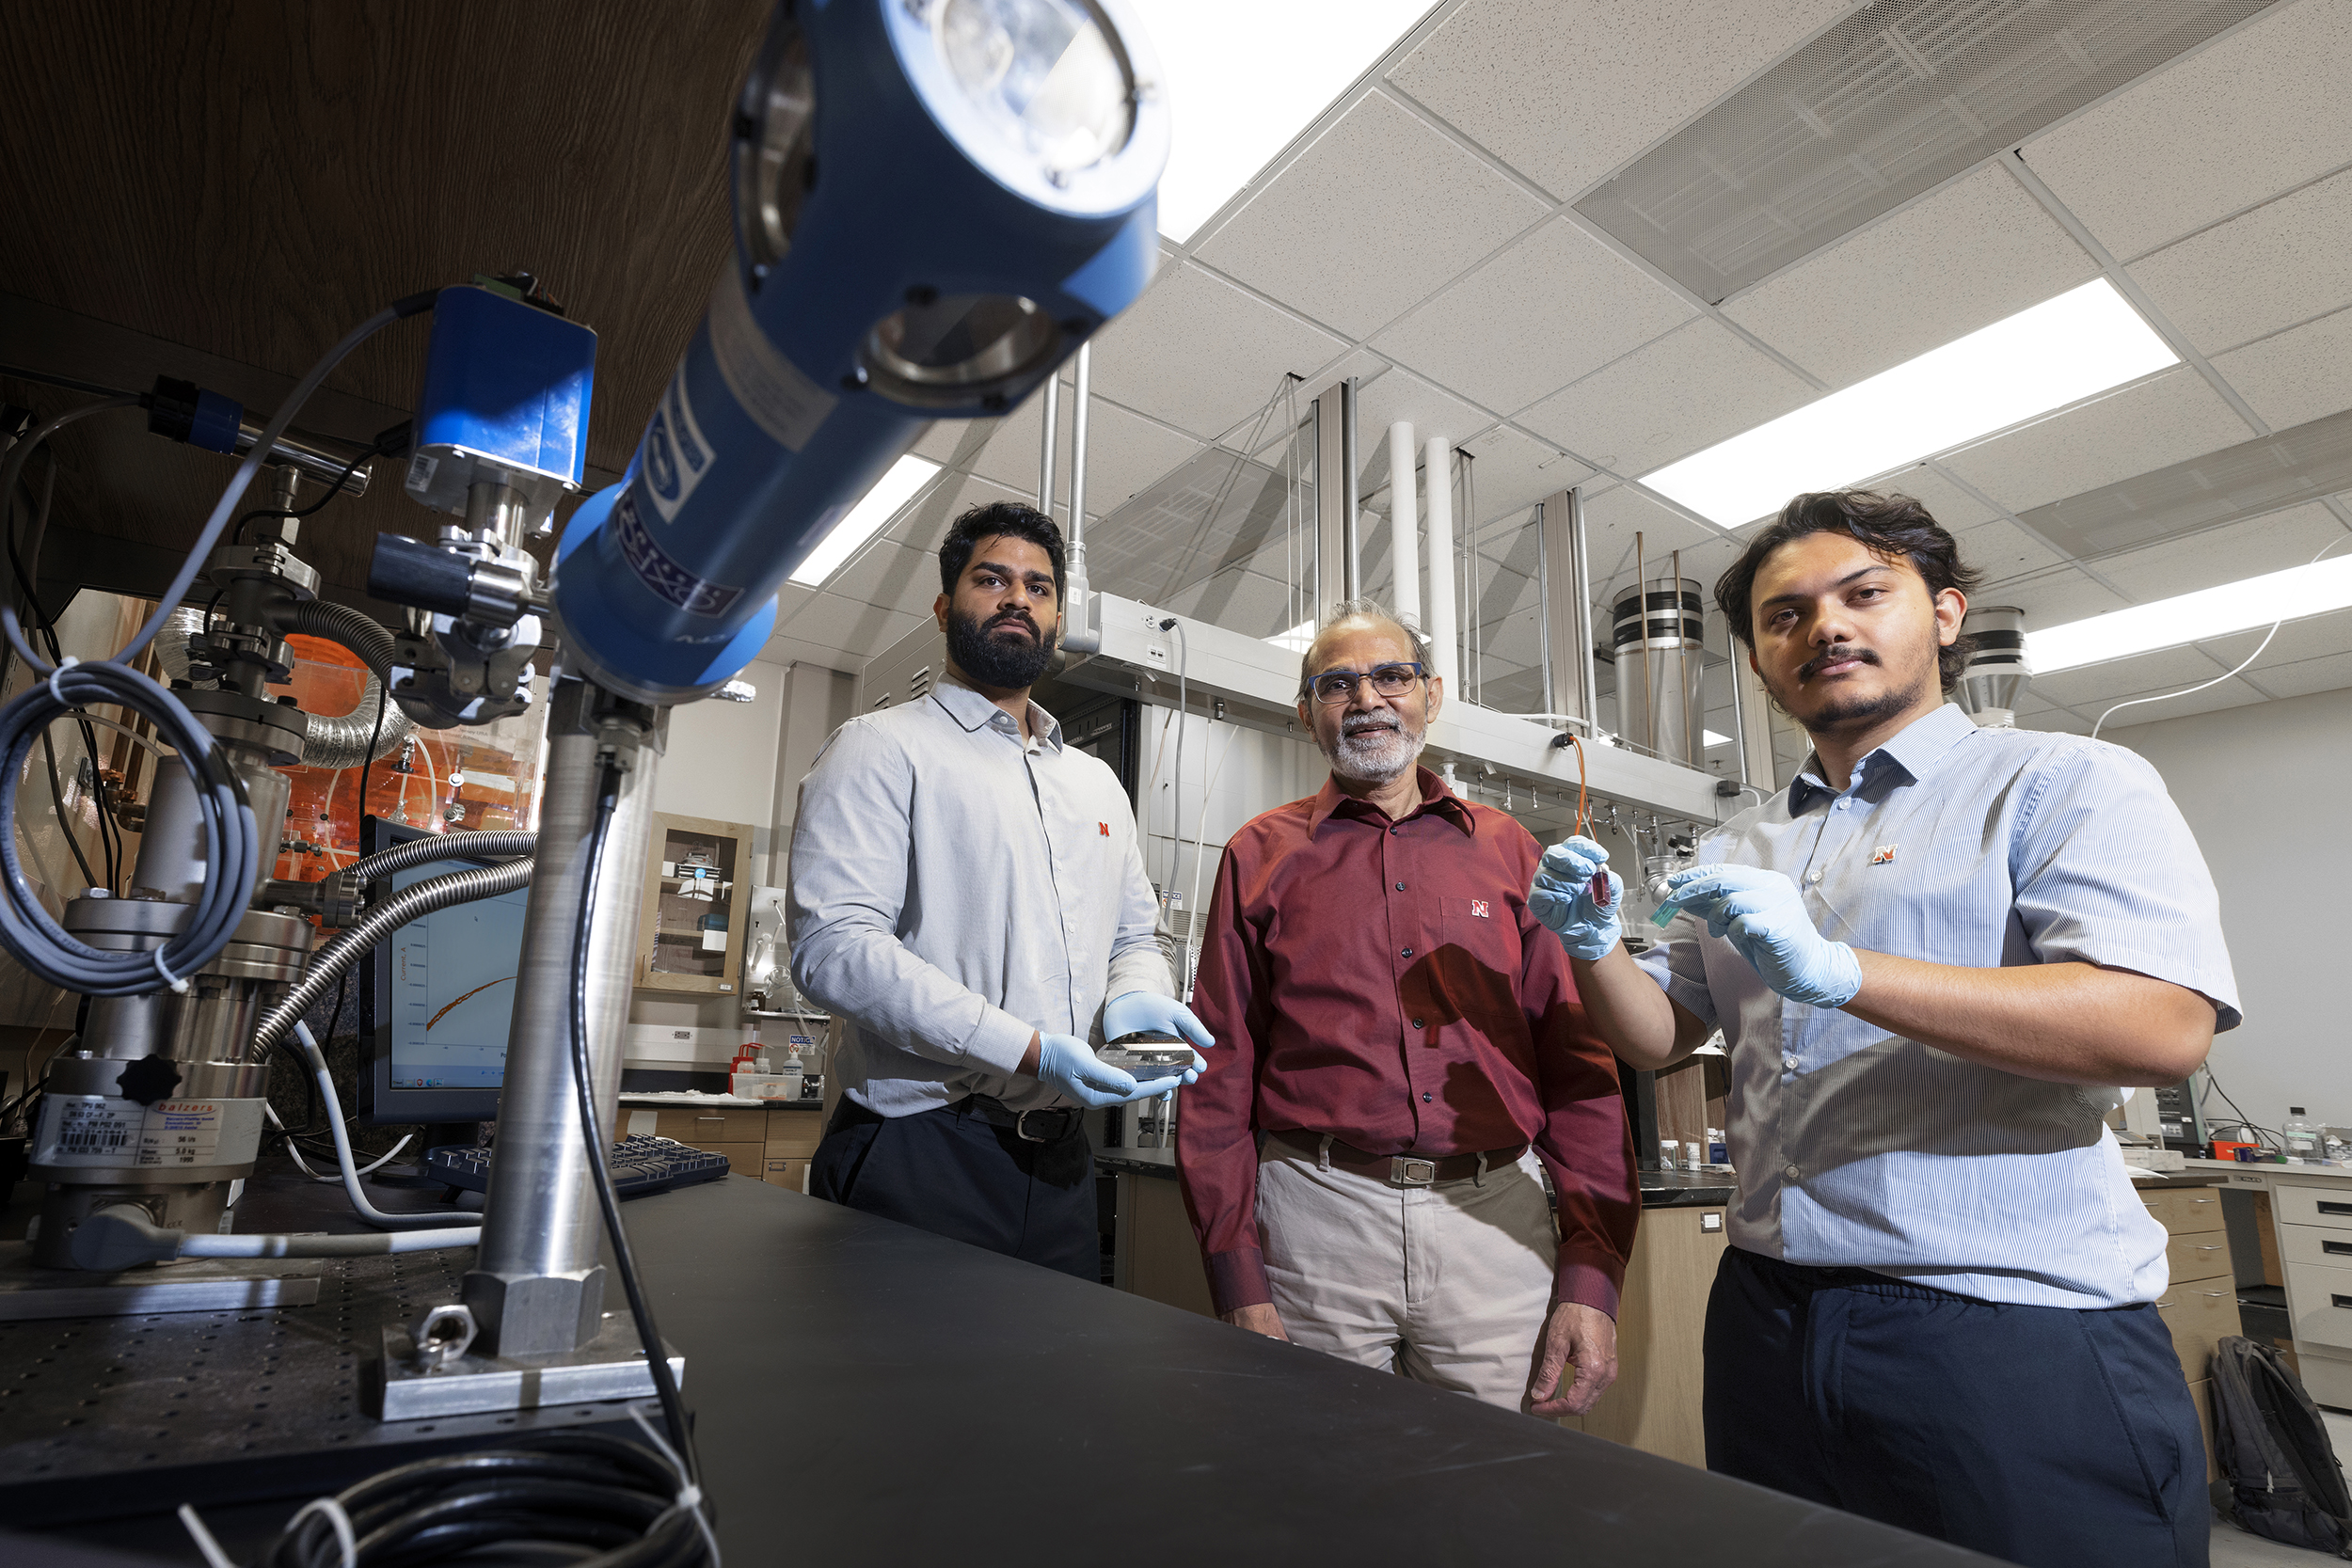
{"x":1478,"y":907}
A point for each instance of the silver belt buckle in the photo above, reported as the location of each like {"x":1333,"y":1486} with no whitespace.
{"x":1406,"y":1171}
{"x":1021,"y":1124}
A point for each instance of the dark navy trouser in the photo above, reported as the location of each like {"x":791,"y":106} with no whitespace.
{"x":957,"y":1175}
{"x":2035,"y":1434}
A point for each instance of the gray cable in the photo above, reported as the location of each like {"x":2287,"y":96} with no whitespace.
{"x":329,"y":962}
{"x":359,"y":1203}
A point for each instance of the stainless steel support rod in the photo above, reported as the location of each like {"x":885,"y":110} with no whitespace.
{"x":1543,"y":613}
{"x":537,"y":1287}
{"x":1351,"y":502}
{"x":1581,"y":571}
{"x":1051,"y":403}
{"x":1739,"y":708}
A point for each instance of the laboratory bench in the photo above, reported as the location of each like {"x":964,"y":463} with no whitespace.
{"x":866,"y":1392}
{"x":770,"y":1140}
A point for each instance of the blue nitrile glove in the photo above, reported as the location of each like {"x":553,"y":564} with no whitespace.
{"x":1578,"y":898}
{"x":1069,"y":1064}
{"x":1132,"y":1011}
{"x":1763,"y":915}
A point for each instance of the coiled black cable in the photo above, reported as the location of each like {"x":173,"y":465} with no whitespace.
{"x":589,"y":1489}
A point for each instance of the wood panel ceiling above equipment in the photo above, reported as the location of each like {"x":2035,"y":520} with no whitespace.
{"x":247,"y":180}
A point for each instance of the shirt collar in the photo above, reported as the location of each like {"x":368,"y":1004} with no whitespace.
{"x":972,"y":710}
{"x":1434,"y":797}
{"x":1909,"y":756}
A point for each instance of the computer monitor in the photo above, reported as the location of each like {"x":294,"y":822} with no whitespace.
{"x":436,"y":997}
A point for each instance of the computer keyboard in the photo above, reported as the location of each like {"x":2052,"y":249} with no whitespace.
{"x":641,"y":1164}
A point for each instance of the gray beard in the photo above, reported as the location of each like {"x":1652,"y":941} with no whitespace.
{"x":1376,"y":756}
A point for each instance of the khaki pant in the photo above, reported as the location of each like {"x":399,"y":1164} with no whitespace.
{"x":1448,"y":1285}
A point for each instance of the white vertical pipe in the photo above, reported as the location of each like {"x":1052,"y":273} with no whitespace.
{"x":1404,"y":525}
{"x":1437,"y":459}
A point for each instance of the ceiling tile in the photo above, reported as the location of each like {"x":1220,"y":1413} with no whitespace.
{"x":2298,"y":375}
{"x":2162,"y":670}
{"x":853,"y":632}
{"x":1945,"y":501}
{"x":2303,"y":678}
{"x":1611,"y":520}
{"x":2059,"y":595}
{"x":1515,"y":470}
{"x":1431,"y":411}
{"x":2279,"y":264}
{"x":2313,"y":637}
{"x":1125,"y":453}
{"x":2003,"y":552}
{"x":1553,"y":307}
{"x":1566,"y":90}
{"x":1201,"y":355}
{"x":1977,"y":252}
{"x":923,"y":522}
{"x":1382,"y":186}
{"x":2230,"y":553}
{"x":2186,"y":704}
{"x":2215,"y":132}
{"x":883,"y":573}
{"x":1696,"y":386}
{"x":2154,"y":423}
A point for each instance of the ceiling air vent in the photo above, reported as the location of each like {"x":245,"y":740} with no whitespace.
{"x":1885,"y":104}
{"x":2266,"y":474}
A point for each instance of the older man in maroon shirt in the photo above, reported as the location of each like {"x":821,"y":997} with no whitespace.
{"x":1401,"y":1031}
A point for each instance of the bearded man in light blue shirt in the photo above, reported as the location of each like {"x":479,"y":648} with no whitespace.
{"x":1938,"y":958}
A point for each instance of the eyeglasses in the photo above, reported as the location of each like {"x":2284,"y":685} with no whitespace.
{"x":1334,"y":687}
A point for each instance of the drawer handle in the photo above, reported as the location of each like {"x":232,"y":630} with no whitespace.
{"x":2210,"y":1246}
{"x":2216,"y":1295}
{"x":2336,"y":1246}
{"x":2205,"y":1200}
{"x":2327,"y":1208}
{"x":2165,"y":1306}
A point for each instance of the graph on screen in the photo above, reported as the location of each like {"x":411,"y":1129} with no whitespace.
{"x":452,"y":991}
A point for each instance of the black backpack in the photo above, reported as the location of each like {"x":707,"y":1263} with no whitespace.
{"x":2278,"y":1473}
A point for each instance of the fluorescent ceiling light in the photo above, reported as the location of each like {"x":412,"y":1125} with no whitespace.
{"x":2059,"y":352}
{"x":2256,"y":602}
{"x":1298,"y":638}
{"x":865,"y":519}
{"x":1711,"y":738}
{"x":1246,"y":76}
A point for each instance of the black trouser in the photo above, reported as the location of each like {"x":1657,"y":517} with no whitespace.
{"x":2035,"y":1434}
{"x":954,"y":1174}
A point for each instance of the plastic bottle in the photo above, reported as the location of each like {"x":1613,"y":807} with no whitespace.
{"x":2301,"y":1137}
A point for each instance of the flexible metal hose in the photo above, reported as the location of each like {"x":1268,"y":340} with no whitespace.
{"x":341,"y":740}
{"x":498,"y":844}
{"x":336,"y":740}
{"x":329,"y":962}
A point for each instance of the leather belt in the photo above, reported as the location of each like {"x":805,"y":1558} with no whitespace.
{"x":1398,"y":1170}
{"x":1037,"y":1125}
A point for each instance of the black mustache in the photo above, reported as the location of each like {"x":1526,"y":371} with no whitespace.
{"x":1005,"y":617}
{"x":1812,"y":667}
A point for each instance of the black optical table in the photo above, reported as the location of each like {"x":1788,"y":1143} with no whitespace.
{"x":866,"y":1392}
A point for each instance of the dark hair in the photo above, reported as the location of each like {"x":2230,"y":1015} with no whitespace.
{"x":997,"y":520}
{"x":1889,"y":526}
